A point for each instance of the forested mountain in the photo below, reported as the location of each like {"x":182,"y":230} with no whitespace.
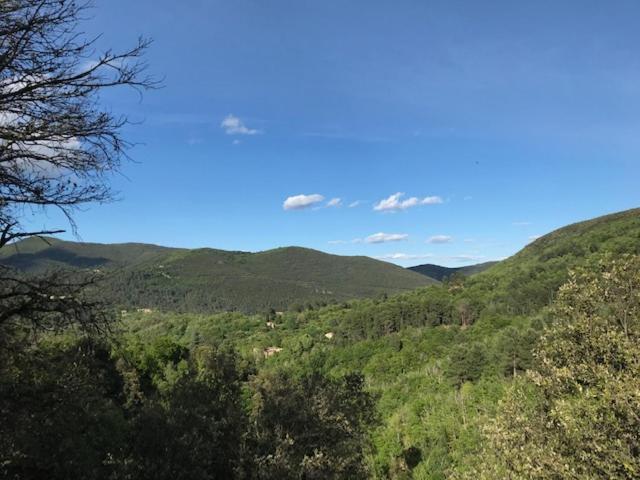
{"x":397,"y":387}
{"x":206,"y":280}
{"x":438,"y":359}
{"x":438,"y":272}
{"x":529,"y":280}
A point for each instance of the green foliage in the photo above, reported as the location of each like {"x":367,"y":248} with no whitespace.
{"x":311,"y":427}
{"x":467,"y":362}
{"x":577,"y":415}
{"x":72,"y":410}
{"x":61,"y":412}
{"x":77,"y":408}
{"x":195,"y":428}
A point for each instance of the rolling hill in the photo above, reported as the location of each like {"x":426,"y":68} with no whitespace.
{"x":529,"y":279}
{"x":205,"y":280}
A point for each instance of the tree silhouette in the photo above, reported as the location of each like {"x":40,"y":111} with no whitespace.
{"x":57,"y":145}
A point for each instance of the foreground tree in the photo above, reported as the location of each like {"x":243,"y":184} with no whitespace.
{"x":61,"y":413}
{"x":310,"y":428}
{"x":578,"y":414}
{"x":57,"y":145}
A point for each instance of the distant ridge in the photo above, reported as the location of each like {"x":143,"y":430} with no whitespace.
{"x":204,"y":280}
{"x":440,"y":273}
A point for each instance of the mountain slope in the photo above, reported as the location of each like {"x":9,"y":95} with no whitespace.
{"x":205,"y":280}
{"x":439,"y":272}
{"x":529,"y":279}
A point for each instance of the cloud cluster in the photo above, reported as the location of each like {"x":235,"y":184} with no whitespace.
{"x":382,"y":237}
{"x":395,"y":203}
{"x":334,"y":202}
{"x":301,"y":202}
{"x":232,"y":125}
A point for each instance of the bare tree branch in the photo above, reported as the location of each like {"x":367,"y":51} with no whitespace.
{"x":57,"y":145}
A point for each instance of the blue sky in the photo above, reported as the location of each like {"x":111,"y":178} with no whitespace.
{"x":510,"y":118}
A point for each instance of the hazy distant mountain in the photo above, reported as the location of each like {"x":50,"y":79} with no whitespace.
{"x":439,"y":272}
{"x":141,"y":275}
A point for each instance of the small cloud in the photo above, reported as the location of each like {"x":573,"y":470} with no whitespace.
{"x":354,"y":204}
{"x":404,"y":256}
{"x":434,"y":200}
{"x":394,"y":203}
{"x":440,"y":239}
{"x":469,"y":240}
{"x":236,"y":142}
{"x":337,"y":242}
{"x":382,"y":237}
{"x":521,"y":224}
{"x":194,"y":141}
{"x":533,"y":238}
{"x":334,"y":202}
{"x":300,"y":202}
{"x":232,"y":125}
{"x":467,"y":198}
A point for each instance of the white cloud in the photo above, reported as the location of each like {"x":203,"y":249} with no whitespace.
{"x":334,"y":202}
{"x":467,"y":198}
{"x":354,"y":204}
{"x":440,"y":239}
{"x":521,"y":224}
{"x":300,"y":202}
{"x":469,"y":240}
{"x":434,"y":200}
{"x":533,"y":238}
{"x":232,"y":125}
{"x":404,"y":256}
{"x":382,"y":237}
{"x":236,"y":142}
{"x":394,"y":202}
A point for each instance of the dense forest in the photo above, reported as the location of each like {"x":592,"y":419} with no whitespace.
{"x":418,"y":385}
{"x":130,"y":362}
{"x":208,"y":280}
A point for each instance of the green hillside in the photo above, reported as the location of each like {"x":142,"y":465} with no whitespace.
{"x":206,"y":280}
{"x":438,"y":272}
{"x":439,"y":359}
{"x":529,"y":280}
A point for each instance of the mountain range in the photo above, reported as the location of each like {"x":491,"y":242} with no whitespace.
{"x":205,"y":280}
{"x":202,"y":280}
